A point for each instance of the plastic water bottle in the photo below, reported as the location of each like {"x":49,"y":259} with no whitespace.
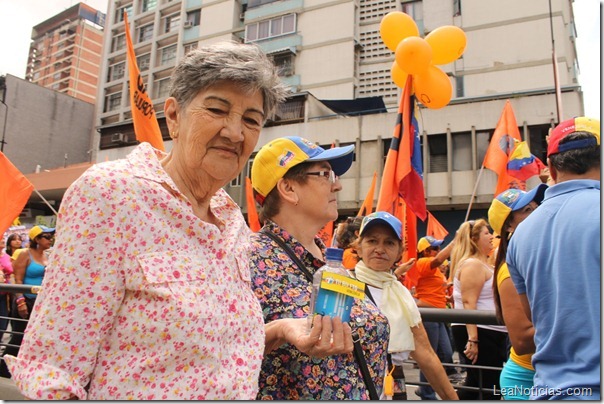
{"x":333,"y":291}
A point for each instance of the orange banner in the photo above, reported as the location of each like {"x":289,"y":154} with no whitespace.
{"x":367,"y":206}
{"x":144,"y":119}
{"x":15,"y":190}
{"x":252,"y":213}
{"x":435,"y":229}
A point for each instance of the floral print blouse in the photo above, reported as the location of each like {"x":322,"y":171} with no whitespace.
{"x":142,"y":299}
{"x":284,"y":292}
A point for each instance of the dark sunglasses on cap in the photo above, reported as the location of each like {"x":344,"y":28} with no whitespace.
{"x":47,"y":236}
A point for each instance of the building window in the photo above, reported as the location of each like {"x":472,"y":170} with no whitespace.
{"x":459,"y":90}
{"x":143,"y":62}
{"x":194,"y":17}
{"x":456,"y":7}
{"x":149,"y":5}
{"x":171,"y":23}
{"x":462,"y":151}
{"x":113,"y":101}
{"x":285,"y":64}
{"x":274,"y":27}
{"x":56,"y":76}
{"x":145,"y":33}
{"x":119,"y":42}
{"x":190,"y":46}
{"x":116,"y":71}
{"x":161,"y":88}
{"x":119,"y":13}
{"x":168,"y":54}
{"x":415,"y":9}
{"x":437,"y":146}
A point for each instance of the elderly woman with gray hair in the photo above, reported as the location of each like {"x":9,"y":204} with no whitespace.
{"x":147,"y":295}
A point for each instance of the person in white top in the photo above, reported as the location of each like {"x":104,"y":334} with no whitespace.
{"x":484,"y":345}
{"x":379,"y":247}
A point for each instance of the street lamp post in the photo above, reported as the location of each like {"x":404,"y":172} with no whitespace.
{"x":3,"y":89}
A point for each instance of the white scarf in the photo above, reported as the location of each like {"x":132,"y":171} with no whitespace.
{"x":397,"y":305}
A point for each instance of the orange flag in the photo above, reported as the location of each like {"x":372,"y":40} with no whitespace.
{"x":501,"y":146}
{"x":146,"y":127}
{"x":435,"y":229}
{"x":367,"y":206}
{"x":15,"y":190}
{"x":252,"y":213}
{"x":403,"y":169}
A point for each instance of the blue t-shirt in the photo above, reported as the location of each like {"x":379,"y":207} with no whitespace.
{"x":554,"y":258}
{"x":34,"y":274}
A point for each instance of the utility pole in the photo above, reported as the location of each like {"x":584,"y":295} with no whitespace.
{"x":3,"y":89}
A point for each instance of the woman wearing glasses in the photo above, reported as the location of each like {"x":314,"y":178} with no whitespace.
{"x":484,"y":345}
{"x":29,"y":269}
{"x":296,"y":183}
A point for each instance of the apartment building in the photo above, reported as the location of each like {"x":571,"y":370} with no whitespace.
{"x":65,"y":53}
{"x":338,"y":68}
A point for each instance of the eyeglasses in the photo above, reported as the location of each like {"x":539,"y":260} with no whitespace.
{"x":47,"y":236}
{"x":330,"y":175}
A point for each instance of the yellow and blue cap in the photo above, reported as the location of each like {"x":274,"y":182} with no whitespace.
{"x":382,"y":218}
{"x":39,"y":229}
{"x":511,"y":200}
{"x":428,"y":241}
{"x":565,"y":128}
{"x":276,"y":157}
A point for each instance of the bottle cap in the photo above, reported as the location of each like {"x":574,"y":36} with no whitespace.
{"x":333,"y":254}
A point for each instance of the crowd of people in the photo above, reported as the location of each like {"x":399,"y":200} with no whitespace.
{"x":156,"y":288}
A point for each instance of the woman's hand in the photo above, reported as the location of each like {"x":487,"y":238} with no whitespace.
{"x":404,"y":268}
{"x":22,"y":309}
{"x":327,"y":337}
{"x":471,"y":351}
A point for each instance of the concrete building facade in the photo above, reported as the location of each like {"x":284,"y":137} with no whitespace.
{"x":333,"y":57}
{"x":65,"y":53}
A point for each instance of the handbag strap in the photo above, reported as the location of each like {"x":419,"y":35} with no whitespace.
{"x":358,"y":349}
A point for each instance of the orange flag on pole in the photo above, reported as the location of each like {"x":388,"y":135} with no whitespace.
{"x":403,"y":169}
{"x":435,"y":229}
{"x":501,"y":146}
{"x":367,"y":206}
{"x":15,"y":190}
{"x":252,"y":213}
{"x":144,"y":119}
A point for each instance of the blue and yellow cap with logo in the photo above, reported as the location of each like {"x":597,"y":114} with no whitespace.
{"x":511,"y":200}
{"x":276,"y":157}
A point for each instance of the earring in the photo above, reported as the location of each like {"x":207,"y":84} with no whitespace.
{"x":173,"y":134}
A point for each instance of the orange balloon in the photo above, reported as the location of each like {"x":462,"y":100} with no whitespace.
{"x":396,"y":26}
{"x":413,"y":55}
{"x":433,"y":88}
{"x":448,"y":43}
{"x":399,"y":76}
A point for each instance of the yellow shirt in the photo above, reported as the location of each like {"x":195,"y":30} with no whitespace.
{"x":522,"y":360}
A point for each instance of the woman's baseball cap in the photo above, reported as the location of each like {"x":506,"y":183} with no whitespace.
{"x":511,"y":200}
{"x":565,"y":128}
{"x":276,"y":157}
{"x":39,"y":229}
{"x":428,"y":241}
{"x":382,"y":218}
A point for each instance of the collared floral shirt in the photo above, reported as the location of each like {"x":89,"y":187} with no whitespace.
{"x":284,"y":292}
{"x":142,"y":299}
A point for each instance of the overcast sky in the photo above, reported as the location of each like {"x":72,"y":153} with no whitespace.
{"x":17,"y":17}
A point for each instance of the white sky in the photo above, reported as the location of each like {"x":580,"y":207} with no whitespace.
{"x":17,"y":17}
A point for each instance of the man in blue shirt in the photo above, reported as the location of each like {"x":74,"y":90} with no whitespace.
{"x":554,"y":262}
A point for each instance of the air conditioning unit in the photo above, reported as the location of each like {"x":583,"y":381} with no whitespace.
{"x":188,"y":24}
{"x":118,"y":138}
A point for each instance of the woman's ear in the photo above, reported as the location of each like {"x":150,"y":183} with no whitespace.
{"x":287,"y":192}
{"x":171,"y":112}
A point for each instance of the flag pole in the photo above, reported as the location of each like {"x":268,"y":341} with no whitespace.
{"x":474,"y":193}
{"x":46,"y":202}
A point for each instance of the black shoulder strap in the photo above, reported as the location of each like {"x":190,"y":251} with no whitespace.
{"x":358,"y":349}
{"x":289,"y":252}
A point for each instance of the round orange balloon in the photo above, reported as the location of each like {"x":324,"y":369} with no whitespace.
{"x":399,"y":76}
{"x":433,"y":88}
{"x":396,"y":26}
{"x":413,"y":55}
{"x":448,"y":43}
